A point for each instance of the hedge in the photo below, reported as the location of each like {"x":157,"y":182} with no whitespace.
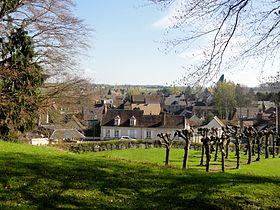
{"x":95,"y":146}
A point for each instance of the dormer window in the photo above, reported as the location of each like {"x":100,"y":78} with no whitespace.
{"x":132,"y":121}
{"x":117,"y":121}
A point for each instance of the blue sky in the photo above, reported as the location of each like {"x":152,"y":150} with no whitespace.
{"x":125,"y":46}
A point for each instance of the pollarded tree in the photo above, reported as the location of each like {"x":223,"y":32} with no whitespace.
{"x":227,"y":31}
{"x":249,"y":133}
{"x":228,"y":131}
{"x":206,"y":147}
{"x":266,"y":142}
{"x":186,"y":134}
{"x":259,"y":140}
{"x":222,"y":143}
{"x":167,"y":141}
{"x":238,"y":136}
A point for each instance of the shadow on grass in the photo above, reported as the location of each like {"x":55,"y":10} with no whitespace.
{"x":65,"y":182}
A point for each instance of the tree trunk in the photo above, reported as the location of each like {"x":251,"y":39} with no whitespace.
{"x":167,"y":151}
{"x":237,"y":153}
{"x":253,"y":147}
{"x":249,"y":152}
{"x":223,"y":162}
{"x":208,"y":156}
{"x":273,"y":146}
{"x":227,"y":145}
{"x":186,"y":155}
{"x":237,"y":158}
{"x":216,"y":152}
{"x":221,"y":145}
{"x":259,"y":149}
{"x":266,"y":147}
{"x":202,"y":156}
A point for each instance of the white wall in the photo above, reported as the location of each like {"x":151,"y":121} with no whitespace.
{"x":40,"y":141}
{"x":140,"y":133}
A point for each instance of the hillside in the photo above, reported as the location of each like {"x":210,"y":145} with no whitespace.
{"x":34,"y":177}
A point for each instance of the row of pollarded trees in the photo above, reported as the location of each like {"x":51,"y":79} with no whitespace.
{"x":212,"y":144}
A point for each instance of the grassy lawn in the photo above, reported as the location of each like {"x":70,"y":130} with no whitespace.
{"x":41,"y":177}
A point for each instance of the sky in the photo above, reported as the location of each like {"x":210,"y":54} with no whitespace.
{"x":126,"y":45}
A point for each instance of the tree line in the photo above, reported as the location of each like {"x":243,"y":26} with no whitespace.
{"x":217,"y":145}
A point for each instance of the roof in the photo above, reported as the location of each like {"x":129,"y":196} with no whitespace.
{"x":66,"y":134}
{"x":175,"y":100}
{"x":70,"y":122}
{"x":145,"y":99}
{"x":93,"y":112}
{"x":161,"y":121}
{"x":248,"y":112}
{"x":194,"y":121}
{"x":270,"y":110}
{"x":137,"y":99}
{"x":215,"y":123}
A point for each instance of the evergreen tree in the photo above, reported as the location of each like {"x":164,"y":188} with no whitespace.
{"x":20,"y":80}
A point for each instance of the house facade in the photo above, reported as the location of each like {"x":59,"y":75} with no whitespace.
{"x":133,"y":123}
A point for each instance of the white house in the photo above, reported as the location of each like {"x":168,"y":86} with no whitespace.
{"x":133,"y":123}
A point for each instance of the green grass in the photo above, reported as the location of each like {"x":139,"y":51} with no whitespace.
{"x":41,"y":178}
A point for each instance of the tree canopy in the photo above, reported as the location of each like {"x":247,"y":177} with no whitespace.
{"x":224,"y":98}
{"x":56,"y":32}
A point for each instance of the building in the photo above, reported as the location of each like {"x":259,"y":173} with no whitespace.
{"x":150,"y":104}
{"x":174,"y":103}
{"x":133,"y":123}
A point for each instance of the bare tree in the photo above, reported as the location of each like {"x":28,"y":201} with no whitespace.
{"x":249,"y":133}
{"x":206,"y":140}
{"x":273,"y":136}
{"x":167,"y":141}
{"x":222,"y":142}
{"x":186,"y":135}
{"x":259,"y":139}
{"x":59,"y":36}
{"x":238,"y":136}
{"x":225,"y":30}
{"x":266,"y":142}
{"x":227,"y":131}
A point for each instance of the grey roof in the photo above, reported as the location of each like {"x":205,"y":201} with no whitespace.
{"x":215,"y":123}
{"x":66,"y":134}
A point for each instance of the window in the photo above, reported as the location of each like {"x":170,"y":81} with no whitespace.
{"x":107,"y":133}
{"x":148,"y":134}
{"x":117,"y":133}
{"x":132,"y":121}
{"x":117,"y":121}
